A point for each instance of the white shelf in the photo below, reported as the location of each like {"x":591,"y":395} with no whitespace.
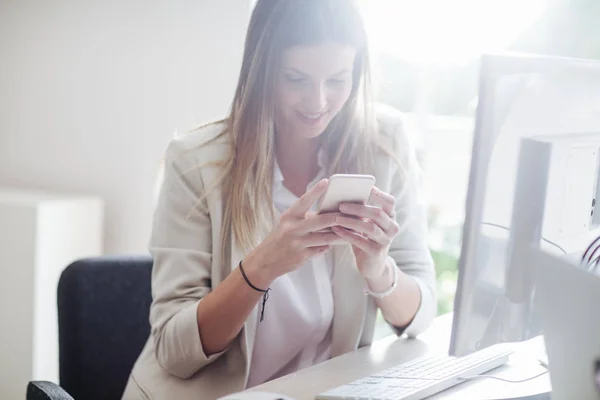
{"x":40,"y":234}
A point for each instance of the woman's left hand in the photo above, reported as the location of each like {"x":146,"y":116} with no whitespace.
{"x":370,"y":230}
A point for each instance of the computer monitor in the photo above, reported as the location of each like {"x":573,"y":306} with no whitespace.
{"x":533,"y":182}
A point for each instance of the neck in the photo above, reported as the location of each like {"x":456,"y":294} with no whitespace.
{"x":298,"y":160}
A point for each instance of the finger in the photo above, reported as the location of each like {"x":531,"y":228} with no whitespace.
{"x":317,"y":222}
{"x":317,"y":239}
{"x":312,"y":214}
{"x":363,"y":243}
{"x":314,"y":251}
{"x":303,"y":205}
{"x":385,"y":200}
{"x":375,"y":214}
{"x":366,"y":227}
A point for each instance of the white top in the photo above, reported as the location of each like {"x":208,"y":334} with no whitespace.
{"x":296,"y":330}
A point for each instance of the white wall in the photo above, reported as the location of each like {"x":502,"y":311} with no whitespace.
{"x":91,"y":91}
{"x":40,"y":234}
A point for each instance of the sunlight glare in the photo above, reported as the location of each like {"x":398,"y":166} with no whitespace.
{"x":447,"y":31}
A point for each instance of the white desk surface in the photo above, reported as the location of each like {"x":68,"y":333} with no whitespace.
{"x":390,"y":351}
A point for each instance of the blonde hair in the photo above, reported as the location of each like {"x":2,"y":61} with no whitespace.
{"x":350,"y":139}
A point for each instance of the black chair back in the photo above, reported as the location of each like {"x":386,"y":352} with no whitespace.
{"x":103,"y":307}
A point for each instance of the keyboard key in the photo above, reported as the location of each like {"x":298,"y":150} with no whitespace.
{"x":410,"y":378}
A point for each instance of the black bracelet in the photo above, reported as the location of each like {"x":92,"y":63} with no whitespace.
{"x":266,"y":292}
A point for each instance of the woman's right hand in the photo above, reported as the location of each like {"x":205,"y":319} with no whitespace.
{"x":295,"y":239}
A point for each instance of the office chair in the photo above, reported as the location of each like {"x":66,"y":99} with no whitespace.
{"x":103,"y":308}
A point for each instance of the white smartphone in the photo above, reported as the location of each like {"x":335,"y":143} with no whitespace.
{"x":346,"y":188}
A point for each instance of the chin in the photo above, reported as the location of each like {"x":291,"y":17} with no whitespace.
{"x":311,"y":132}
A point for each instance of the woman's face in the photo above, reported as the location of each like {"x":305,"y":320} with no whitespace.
{"x":311,"y":87}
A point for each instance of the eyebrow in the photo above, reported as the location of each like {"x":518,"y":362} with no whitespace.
{"x":292,"y":69}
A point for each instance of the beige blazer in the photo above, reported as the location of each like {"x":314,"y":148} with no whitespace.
{"x":185,"y":246}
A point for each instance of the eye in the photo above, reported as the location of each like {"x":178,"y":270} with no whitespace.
{"x":336,"y":82}
{"x":294,"y":79}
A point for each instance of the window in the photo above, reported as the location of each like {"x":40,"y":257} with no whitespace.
{"x":426,"y":64}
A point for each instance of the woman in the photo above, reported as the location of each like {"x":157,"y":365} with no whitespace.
{"x":248,"y":283}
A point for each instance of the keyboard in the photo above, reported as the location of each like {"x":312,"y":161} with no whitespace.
{"x":419,"y":378}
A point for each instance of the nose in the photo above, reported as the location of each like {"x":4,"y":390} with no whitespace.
{"x":316,"y":98}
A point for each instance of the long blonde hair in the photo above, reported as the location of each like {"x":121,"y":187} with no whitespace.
{"x":350,"y":139}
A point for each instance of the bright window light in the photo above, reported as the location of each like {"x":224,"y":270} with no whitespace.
{"x":447,"y":31}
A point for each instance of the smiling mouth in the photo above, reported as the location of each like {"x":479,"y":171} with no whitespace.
{"x":311,"y":119}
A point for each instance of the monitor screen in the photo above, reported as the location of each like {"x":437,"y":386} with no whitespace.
{"x":553,"y":104}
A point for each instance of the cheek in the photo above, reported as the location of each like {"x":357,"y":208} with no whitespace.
{"x":286,"y":96}
{"x":338,"y":99}
{"x":285,"y":100}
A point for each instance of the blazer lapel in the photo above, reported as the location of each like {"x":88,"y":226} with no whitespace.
{"x":249,"y":330}
{"x":252,"y":320}
{"x":350,"y":304}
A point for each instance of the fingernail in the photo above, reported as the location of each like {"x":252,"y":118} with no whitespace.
{"x":344,"y":207}
{"x":323,"y":182}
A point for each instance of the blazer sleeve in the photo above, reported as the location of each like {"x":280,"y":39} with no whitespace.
{"x":409,"y":249}
{"x":181,"y":245}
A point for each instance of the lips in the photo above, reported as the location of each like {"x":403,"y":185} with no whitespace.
{"x":311,"y":119}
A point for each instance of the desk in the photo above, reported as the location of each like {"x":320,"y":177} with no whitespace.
{"x":390,"y":351}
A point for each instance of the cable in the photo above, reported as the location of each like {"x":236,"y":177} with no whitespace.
{"x":467,"y":378}
{"x":589,"y":248}
{"x":589,"y":260}
{"x":508,"y":229}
